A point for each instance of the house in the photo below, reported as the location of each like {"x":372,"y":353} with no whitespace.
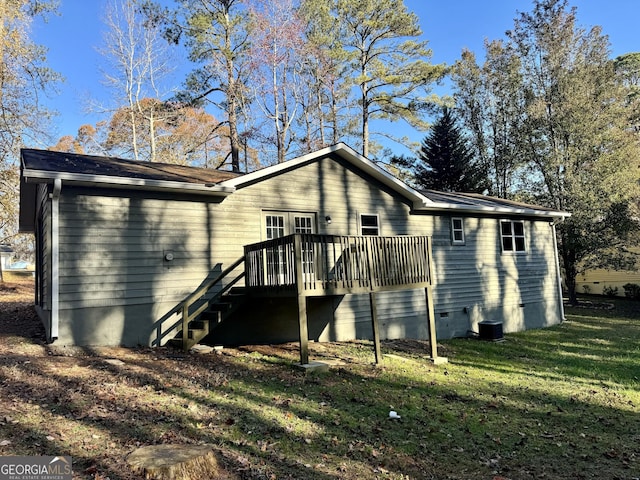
{"x":609,"y":282}
{"x":135,"y":253}
{"x":6,"y":253}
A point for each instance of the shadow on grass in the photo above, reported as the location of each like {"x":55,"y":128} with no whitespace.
{"x":557,"y":402}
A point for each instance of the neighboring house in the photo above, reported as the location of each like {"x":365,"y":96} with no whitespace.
{"x":6,"y":254}
{"x":601,"y":281}
{"x":121,"y":244}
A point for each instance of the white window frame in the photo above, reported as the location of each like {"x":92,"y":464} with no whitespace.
{"x":363,"y":227}
{"x":454,"y":230}
{"x":512,"y":242}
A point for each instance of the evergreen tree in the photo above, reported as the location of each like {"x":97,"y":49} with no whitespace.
{"x":445,"y":162}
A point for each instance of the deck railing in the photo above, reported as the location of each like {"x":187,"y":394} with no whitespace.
{"x":310,"y":264}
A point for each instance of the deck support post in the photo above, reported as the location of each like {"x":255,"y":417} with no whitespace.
{"x":303,"y":328}
{"x":376,"y":330}
{"x":302,"y":301}
{"x":431,"y":316}
{"x":432,"y":324}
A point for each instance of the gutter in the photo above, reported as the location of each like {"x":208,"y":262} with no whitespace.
{"x":55,"y":259}
{"x":107,"y":181}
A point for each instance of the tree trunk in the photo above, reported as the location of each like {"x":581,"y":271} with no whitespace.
{"x":175,"y":462}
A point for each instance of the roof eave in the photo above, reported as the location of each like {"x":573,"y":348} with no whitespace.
{"x":107,"y":181}
{"x":495,"y":211}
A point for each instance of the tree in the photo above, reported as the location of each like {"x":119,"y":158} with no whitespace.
{"x":445,"y":161}
{"x":24,"y":76}
{"x":276,"y":52}
{"x":216,"y":33}
{"x":583,"y":157}
{"x":389,"y":66}
{"x":325,"y":100}
{"x":490,"y":102}
{"x":627,"y":68}
{"x":183,"y":135}
{"x":139,"y":60}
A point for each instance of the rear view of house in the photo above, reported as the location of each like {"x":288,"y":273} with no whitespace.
{"x":121,"y":245}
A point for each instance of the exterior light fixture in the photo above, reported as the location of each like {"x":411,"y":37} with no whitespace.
{"x":328,"y":219}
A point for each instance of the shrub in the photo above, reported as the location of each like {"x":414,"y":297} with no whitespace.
{"x":587,"y":289}
{"x":632,"y":290}
{"x":610,"y":291}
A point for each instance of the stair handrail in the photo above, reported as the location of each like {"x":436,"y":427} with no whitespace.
{"x":198,"y":294}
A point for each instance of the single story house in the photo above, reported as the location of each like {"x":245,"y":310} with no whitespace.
{"x":122,"y":246}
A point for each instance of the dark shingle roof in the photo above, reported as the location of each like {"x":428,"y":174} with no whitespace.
{"x":62,"y":162}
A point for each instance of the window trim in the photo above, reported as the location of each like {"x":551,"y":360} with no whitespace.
{"x":362,"y":227}
{"x":513,"y":237}
{"x":455,"y":241}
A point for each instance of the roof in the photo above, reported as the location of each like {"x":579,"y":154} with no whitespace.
{"x":422,"y":201}
{"x":475,"y":202}
{"x":51,"y":164}
{"x":44,"y":166}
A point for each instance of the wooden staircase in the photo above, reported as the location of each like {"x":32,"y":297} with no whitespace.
{"x":201,"y":312}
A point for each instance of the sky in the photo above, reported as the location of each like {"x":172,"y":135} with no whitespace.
{"x":74,"y":36}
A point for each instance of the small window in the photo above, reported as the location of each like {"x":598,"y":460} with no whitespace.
{"x":512,"y":235}
{"x":457,"y":231}
{"x":369,"y":225}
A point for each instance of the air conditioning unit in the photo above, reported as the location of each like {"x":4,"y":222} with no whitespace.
{"x":490,"y":330}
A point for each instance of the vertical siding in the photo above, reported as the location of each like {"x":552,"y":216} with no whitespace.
{"x":116,"y":287}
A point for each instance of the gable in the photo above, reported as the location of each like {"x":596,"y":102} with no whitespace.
{"x":338,"y":152}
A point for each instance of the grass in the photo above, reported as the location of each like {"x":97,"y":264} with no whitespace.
{"x":560,"y":403}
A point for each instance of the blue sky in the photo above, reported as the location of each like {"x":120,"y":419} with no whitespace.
{"x":449,"y":25}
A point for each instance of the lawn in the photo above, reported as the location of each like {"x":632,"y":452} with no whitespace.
{"x":559,"y":403}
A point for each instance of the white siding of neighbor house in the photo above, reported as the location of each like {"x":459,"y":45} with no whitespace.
{"x":116,"y":287}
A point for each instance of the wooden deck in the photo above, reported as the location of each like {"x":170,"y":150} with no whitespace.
{"x":310,"y":265}
{"x":317,"y":265}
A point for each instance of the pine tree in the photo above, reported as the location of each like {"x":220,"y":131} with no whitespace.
{"x":445,"y":162}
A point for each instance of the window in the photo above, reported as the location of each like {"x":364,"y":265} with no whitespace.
{"x":303,"y":224}
{"x":457,"y":231}
{"x":369,"y":225}
{"x":512,"y":235}
{"x":275,"y":226}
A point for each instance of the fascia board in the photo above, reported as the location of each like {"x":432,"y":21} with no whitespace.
{"x":82,"y":179}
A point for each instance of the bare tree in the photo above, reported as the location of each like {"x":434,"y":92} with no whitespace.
{"x":277,"y":43}
{"x":24,"y":77}
{"x":139,"y":62}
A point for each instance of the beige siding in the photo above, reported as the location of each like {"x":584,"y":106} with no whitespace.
{"x":594,"y":281}
{"x":112,"y":248}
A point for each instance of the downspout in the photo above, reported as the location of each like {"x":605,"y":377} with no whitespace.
{"x":55,"y":258}
{"x":557,"y":259}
